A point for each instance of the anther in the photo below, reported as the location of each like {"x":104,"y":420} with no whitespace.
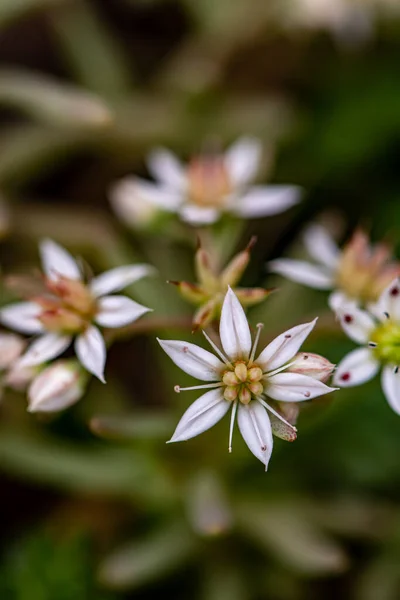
{"x":307,"y":394}
{"x":177,"y":389}
{"x":348,"y":319}
{"x":241,"y":371}
{"x":372,"y":344}
{"x":396,"y":370}
{"x":254,"y":374}
{"x":185,"y":349}
{"x":386,"y":315}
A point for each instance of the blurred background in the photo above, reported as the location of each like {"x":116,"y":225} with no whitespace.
{"x":94,"y":505}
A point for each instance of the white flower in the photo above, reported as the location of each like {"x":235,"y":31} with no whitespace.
{"x":379,"y":334}
{"x":57,"y":387}
{"x":209,"y":186}
{"x":241,"y":382}
{"x":359,"y":272}
{"x":72,"y":309}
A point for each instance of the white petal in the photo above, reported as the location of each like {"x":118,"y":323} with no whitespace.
{"x":234,"y":329}
{"x":339,"y":299}
{"x":265,"y":201}
{"x":193,"y":360}
{"x":136,"y":192}
{"x":117,"y":311}
{"x":242,"y":160}
{"x":22,"y":317}
{"x":198,"y":215}
{"x":389,"y":302}
{"x":391,"y":387}
{"x":57,"y":261}
{"x":356,"y":323}
{"x":45,"y":348}
{"x":284,"y":347}
{"x":356,"y":367}
{"x":303,"y":272}
{"x":119,"y":278}
{"x":293,"y":387}
{"x":167,"y":168}
{"x":91,"y":351}
{"x":255,"y":427}
{"x":321,"y":246}
{"x":203,"y":414}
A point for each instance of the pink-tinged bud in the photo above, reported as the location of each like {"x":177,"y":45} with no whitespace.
{"x":252,"y":296}
{"x":11,"y":348}
{"x":132,"y":206}
{"x":313,"y":365}
{"x":57,"y":387}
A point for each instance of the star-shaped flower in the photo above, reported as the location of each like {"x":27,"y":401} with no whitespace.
{"x":209,"y":291}
{"x":210,"y":185}
{"x":240,"y":382}
{"x":72,"y":309}
{"x":359,"y":272}
{"x":379,"y":334}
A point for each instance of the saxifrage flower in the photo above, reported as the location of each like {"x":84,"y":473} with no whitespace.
{"x":71,"y":309}
{"x":241,"y":382}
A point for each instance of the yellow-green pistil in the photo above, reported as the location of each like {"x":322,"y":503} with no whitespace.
{"x":387,"y":339}
{"x":242,"y":382}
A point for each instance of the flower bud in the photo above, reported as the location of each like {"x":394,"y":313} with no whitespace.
{"x":313,"y":365}
{"x":11,"y":348}
{"x":18,"y":378}
{"x":57,"y":387}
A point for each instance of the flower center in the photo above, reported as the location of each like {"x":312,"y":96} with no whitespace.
{"x":387,"y":340}
{"x":242,"y":382}
{"x":209,"y":182}
{"x":69,"y":308}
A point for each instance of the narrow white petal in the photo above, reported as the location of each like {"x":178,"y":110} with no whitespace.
{"x":203,"y":414}
{"x":356,"y":323}
{"x":321,"y":246}
{"x":301,"y":271}
{"x":167,"y":168}
{"x":57,"y":261}
{"x":45,"y":348}
{"x":255,"y":427}
{"x":243,"y":160}
{"x":265,"y":201}
{"x":91,"y":351}
{"x":135,"y":191}
{"x":119,"y":278}
{"x":356,"y":367}
{"x":234,"y":329}
{"x":117,"y":311}
{"x":293,"y":387}
{"x":284,"y":347}
{"x":22,"y":317}
{"x":193,"y":360}
{"x":391,"y":387}
{"x":198,"y":215}
{"x":389,"y":302}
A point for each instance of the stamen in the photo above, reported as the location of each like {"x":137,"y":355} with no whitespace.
{"x":275,"y":412}
{"x":217,"y":350}
{"x":204,"y":386}
{"x":280,"y":369}
{"x":256,"y":340}
{"x":372,"y":344}
{"x":231,"y":426}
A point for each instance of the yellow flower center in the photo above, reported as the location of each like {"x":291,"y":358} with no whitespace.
{"x":387,"y":339}
{"x":209,"y":182}
{"x":242,"y":382}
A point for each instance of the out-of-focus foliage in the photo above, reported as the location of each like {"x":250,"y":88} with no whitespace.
{"x":86,"y":89}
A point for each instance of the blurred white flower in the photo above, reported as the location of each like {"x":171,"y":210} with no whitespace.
{"x":379,"y":334}
{"x":210,"y":185}
{"x":57,"y":387}
{"x":359,"y":272}
{"x":72,"y":309}
{"x":241,"y":382}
